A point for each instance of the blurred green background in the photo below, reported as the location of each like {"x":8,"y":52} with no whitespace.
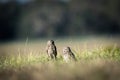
{"x":21,"y":19}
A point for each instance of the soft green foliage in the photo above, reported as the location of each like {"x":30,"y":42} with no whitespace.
{"x":20,"y":60}
{"x":29,"y":61}
{"x":103,"y":53}
{"x":111,"y":53}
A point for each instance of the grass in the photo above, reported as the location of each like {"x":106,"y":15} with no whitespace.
{"x":108,"y":53}
{"x":94,"y":62}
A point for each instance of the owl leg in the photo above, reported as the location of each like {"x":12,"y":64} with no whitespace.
{"x":52,"y":56}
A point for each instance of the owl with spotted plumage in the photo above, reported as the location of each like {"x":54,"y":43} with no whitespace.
{"x":68,"y":55}
{"x":51,"y":49}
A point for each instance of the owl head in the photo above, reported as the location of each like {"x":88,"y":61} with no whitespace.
{"x":50,"y":42}
{"x":66,"y":50}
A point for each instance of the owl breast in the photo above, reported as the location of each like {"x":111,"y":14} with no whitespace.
{"x":51,"y":49}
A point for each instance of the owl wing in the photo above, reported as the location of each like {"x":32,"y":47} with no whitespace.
{"x":72,"y":55}
{"x":55,"y":50}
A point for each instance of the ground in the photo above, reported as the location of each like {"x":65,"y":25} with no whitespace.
{"x":97,"y":59}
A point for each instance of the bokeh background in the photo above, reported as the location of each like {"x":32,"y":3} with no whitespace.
{"x":21,"y":19}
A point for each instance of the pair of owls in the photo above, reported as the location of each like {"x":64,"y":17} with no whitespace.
{"x":52,"y":52}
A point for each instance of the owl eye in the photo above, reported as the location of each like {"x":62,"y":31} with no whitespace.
{"x":64,"y":51}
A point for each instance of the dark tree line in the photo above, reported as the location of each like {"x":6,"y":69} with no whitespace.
{"x":46,"y":18}
{"x":9,"y":14}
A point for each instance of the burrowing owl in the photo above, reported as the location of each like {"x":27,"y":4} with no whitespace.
{"x":51,"y":49}
{"x":68,"y":54}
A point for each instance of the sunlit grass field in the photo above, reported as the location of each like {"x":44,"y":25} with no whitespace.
{"x":97,"y":59}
